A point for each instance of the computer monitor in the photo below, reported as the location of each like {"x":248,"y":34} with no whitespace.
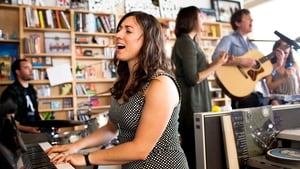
{"x":210,"y":148}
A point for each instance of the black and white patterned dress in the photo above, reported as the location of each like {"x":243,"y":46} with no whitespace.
{"x":167,"y":153}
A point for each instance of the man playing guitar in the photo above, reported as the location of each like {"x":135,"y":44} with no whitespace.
{"x":237,"y":44}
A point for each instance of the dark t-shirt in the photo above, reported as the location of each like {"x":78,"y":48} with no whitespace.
{"x":25,"y":99}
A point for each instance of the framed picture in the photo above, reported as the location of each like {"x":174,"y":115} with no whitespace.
{"x":57,"y":42}
{"x":225,"y":8}
{"x":208,"y":14}
{"x":48,"y":61}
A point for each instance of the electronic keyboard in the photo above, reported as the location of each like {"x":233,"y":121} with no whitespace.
{"x":36,"y":158}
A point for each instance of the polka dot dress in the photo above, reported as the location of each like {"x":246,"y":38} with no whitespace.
{"x":167,"y":153}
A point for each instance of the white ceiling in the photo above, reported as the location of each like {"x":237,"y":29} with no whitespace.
{"x":251,"y":3}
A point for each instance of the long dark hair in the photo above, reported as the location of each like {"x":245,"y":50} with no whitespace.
{"x":186,"y":20}
{"x":151,"y":57}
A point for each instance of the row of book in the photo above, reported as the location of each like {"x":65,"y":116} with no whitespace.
{"x":86,"y":89}
{"x":54,"y":42}
{"x":91,"y":23}
{"x":40,"y":18}
{"x":32,"y":44}
{"x":56,"y":104}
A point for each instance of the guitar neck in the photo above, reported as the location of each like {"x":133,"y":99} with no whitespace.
{"x":271,"y":55}
{"x":266,"y":58}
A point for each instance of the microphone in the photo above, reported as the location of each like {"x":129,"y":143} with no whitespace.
{"x":10,"y":107}
{"x":7,"y":107}
{"x":287,"y":40}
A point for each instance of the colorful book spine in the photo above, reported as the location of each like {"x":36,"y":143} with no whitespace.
{"x":41,"y":17}
{"x":64,"y":20}
{"x":57,"y":19}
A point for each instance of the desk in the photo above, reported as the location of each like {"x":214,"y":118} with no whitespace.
{"x":290,"y":134}
{"x":262,"y":163}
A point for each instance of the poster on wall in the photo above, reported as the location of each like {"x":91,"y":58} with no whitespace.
{"x":225,"y":8}
{"x":9,"y":52}
{"x":145,"y":6}
{"x":168,"y":9}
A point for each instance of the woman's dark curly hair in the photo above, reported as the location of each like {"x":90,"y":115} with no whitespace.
{"x":150,"y":58}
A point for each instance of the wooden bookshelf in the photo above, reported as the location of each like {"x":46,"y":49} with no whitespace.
{"x":37,"y":50}
{"x":89,"y":50}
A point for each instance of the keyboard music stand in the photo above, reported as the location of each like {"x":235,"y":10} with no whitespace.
{"x":53,"y":126}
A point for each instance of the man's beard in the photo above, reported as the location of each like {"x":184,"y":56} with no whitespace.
{"x":27,"y":78}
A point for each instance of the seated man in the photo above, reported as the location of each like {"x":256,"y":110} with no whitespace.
{"x":24,"y":95}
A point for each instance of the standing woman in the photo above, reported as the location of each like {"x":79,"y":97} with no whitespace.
{"x":192,"y":70}
{"x":145,"y":105}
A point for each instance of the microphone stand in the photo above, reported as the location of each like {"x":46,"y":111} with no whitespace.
{"x":18,"y":135}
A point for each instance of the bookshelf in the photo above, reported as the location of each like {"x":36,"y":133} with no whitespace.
{"x":93,"y":56}
{"x":46,"y":41}
{"x":208,"y":40}
{"x":168,"y":27}
{"x":48,"y":36}
{"x":85,"y":41}
{"x":9,"y":37}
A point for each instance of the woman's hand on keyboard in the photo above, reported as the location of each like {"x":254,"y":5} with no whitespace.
{"x":73,"y":159}
{"x":56,"y":153}
{"x":67,"y":148}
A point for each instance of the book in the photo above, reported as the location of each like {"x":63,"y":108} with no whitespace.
{"x":90,"y":89}
{"x":112,"y":20}
{"x":36,"y":18}
{"x":83,"y":20}
{"x":76,"y":26}
{"x":36,"y":41}
{"x":64,"y":20}
{"x":104,"y":24}
{"x":54,"y":20}
{"x":41,"y":19}
{"x":37,"y":61}
{"x":67,"y":103}
{"x":29,"y":15}
{"x":57,"y":17}
{"x":98,"y":25}
{"x":79,"y":22}
{"x":107,"y":21}
{"x":90,"y":23}
{"x":45,"y":19}
{"x":49,"y":18}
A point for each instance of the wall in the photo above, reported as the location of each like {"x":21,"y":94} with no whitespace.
{"x":199,"y":3}
{"x":280,"y":15}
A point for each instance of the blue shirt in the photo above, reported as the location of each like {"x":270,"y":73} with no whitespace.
{"x":234,"y":44}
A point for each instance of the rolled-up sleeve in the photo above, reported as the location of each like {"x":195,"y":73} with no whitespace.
{"x":223,"y":45}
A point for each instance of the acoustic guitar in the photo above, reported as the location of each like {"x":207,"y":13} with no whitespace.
{"x":238,"y":82}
